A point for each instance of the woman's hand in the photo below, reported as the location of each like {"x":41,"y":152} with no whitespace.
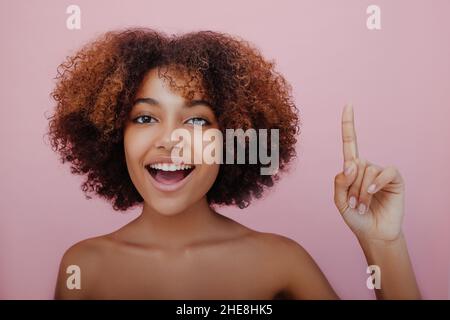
{"x":369,"y":197}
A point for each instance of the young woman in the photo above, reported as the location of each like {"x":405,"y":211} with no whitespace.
{"x":120,"y":99}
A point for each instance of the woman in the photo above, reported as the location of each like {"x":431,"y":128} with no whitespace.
{"x":119,"y":101}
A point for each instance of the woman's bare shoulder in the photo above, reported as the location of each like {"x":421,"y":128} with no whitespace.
{"x":87,"y":251}
{"x":272,"y":243}
{"x":301,"y":276}
{"x":83,"y":259}
{"x":282,"y":247}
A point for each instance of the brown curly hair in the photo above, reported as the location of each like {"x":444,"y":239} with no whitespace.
{"x":94,"y":94}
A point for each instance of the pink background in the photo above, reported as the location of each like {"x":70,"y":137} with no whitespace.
{"x":398,"y":79}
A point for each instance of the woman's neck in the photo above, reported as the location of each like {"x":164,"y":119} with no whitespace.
{"x":179,"y":230}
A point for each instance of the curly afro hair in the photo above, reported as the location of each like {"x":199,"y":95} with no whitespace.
{"x":94,"y":94}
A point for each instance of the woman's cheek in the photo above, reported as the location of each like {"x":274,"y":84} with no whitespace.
{"x":136,"y":144}
{"x":208,"y":177}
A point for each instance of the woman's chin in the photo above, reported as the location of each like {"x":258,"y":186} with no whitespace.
{"x":170,"y":207}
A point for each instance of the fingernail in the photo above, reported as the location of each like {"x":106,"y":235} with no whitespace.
{"x":352,"y":202}
{"x":348,"y":170}
{"x":371,"y":188}
{"x":362,"y":208}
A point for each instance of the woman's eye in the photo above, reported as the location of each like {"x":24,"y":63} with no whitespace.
{"x":198,"y":122}
{"x":144,"y":119}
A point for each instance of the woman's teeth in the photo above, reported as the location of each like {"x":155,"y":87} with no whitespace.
{"x":170,"y":166}
{"x":168,"y":176}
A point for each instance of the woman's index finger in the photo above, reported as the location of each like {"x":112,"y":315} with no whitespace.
{"x":350,"y":145}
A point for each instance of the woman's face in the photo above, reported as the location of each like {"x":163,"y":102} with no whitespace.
{"x":167,"y":184}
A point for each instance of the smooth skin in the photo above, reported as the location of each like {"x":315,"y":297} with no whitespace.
{"x":180,"y":248}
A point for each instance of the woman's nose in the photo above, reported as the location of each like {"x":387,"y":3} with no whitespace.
{"x":164,"y":140}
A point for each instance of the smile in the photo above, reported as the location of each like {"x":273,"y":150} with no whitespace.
{"x":169,"y":176}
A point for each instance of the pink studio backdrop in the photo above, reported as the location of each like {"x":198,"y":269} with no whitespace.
{"x":398,"y":79}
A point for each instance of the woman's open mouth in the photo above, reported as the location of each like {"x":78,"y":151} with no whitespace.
{"x":169,"y":176}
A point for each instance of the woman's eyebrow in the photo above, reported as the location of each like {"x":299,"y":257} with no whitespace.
{"x":190,"y":103}
{"x":150,"y":101}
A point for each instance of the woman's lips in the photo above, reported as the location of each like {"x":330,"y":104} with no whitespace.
{"x":169,"y":180}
